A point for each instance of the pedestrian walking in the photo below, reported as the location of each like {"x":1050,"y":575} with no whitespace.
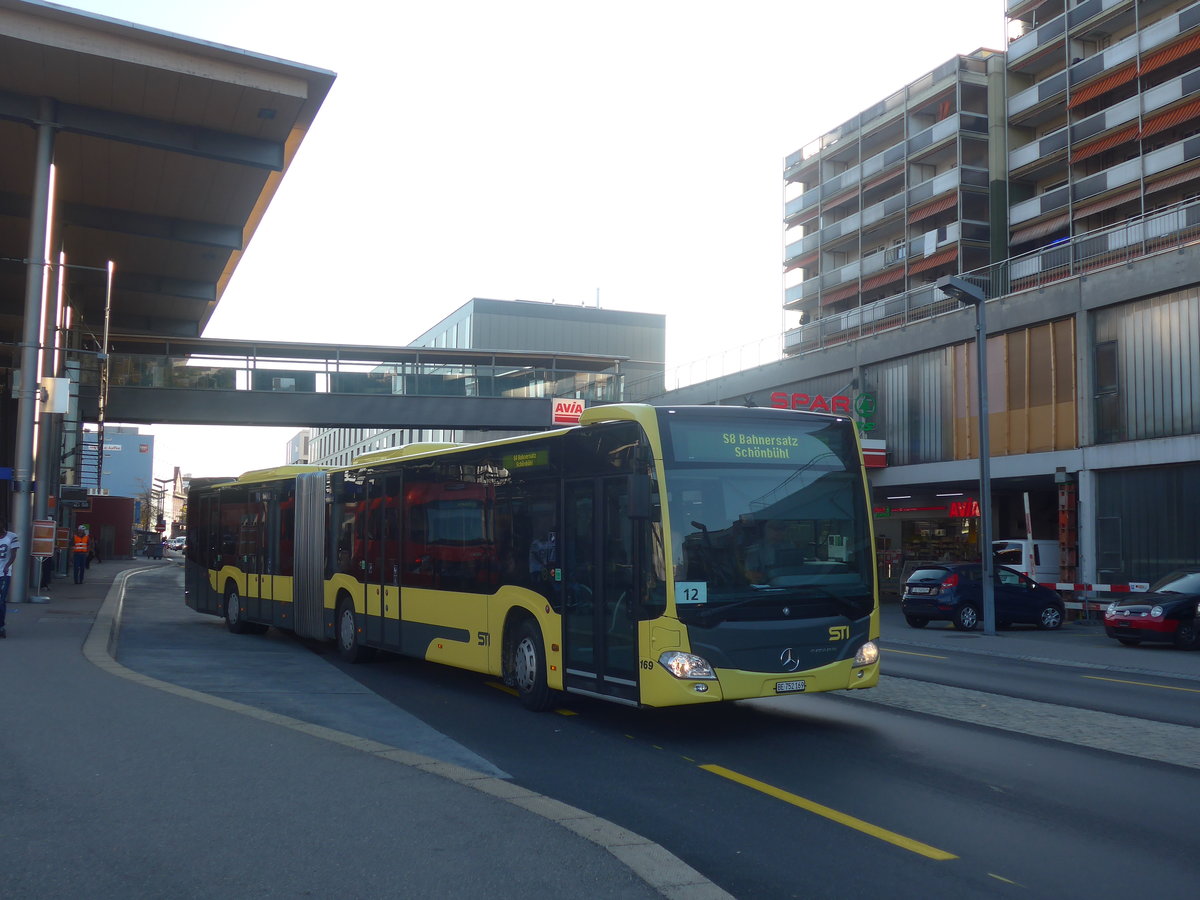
{"x":8,"y":550}
{"x":80,"y":553}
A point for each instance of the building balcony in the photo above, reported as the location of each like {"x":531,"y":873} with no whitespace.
{"x":1125,"y":114}
{"x":1032,"y":41}
{"x":846,"y":280}
{"x":1016,"y":8}
{"x":878,"y":163}
{"x":1037,"y":95}
{"x":1149,"y":233}
{"x":878,"y":212}
{"x":870,"y":118}
{"x":1160,"y":231}
{"x":1110,"y":68}
{"x":1045,"y":35}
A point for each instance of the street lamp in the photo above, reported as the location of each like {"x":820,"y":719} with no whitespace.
{"x":972,"y":295}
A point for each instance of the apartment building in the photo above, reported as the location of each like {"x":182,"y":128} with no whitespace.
{"x":892,"y":199}
{"x":1092,"y":285}
{"x":1103,"y":114}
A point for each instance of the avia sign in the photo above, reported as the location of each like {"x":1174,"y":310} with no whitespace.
{"x":565,"y":411}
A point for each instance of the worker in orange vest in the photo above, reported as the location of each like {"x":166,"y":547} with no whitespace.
{"x":80,"y":552}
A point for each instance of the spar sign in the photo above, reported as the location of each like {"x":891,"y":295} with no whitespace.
{"x":565,"y":411}
{"x":839,"y":403}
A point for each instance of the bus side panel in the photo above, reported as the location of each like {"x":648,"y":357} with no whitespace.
{"x":228,"y":577}
{"x":281,"y":588}
{"x":446,"y":627}
{"x":512,"y":600}
{"x":337,"y":586}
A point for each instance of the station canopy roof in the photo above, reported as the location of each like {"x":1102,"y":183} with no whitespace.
{"x":167,"y":151}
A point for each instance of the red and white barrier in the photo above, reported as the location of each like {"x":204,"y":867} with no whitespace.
{"x":1094,"y":605}
{"x":1134,"y":587}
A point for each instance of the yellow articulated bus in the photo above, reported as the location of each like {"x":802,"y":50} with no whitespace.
{"x":651,"y":556}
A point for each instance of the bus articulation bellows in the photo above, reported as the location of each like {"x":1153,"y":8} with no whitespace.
{"x":652,"y":556}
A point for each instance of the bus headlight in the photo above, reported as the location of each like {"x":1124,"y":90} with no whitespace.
{"x":867,"y":655}
{"x":686,"y":665}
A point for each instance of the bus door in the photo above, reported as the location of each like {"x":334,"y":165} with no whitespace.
{"x":377,"y":558}
{"x":368,"y":536}
{"x":255,"y":553}
{"x":599,"y":608}
{"x":388,"y":526}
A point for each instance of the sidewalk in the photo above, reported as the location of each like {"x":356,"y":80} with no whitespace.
{"x":114,"y":784}
{"x":1079,"y":644}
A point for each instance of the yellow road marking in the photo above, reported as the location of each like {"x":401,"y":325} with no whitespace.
{"x":500,"y":686}
{"x":832,"y":814}
{"x":1165,"y":687}
{"x":1002,"y":878}
{"x":911,"y":653}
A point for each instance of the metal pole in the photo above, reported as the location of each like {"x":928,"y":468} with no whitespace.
{"x":985,"y":475}
{"x":966,"y":291}
{"x":27,"y":395}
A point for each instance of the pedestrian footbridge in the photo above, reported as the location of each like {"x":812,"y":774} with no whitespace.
{"x":206,"y":382}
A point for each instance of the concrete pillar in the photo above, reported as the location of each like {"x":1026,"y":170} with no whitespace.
{"x":27,"y":397}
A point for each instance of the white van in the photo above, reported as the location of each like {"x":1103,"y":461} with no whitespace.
{"x":1036,"y":559}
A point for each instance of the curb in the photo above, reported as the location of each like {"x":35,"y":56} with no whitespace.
{"x":653,"y":864}
{"x":884,"y":643}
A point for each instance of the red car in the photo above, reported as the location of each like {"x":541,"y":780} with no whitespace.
{"x":1167,"y":614}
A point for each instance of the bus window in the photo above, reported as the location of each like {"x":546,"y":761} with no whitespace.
{"x":528,"y":521}
{"x":448,"y":541}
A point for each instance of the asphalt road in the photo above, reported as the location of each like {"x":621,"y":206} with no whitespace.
{"x":921,"y":787}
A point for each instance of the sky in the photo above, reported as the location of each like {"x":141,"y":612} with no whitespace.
{"x":629,"y":151}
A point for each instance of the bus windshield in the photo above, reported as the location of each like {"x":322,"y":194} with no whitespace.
{"x":768,"y":511}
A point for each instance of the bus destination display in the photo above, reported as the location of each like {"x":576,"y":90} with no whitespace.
{"x":703,"y":443}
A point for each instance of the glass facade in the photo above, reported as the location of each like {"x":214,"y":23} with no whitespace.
{"x":927,"y":403}
{"x":1146,"y":521}
{"x":1146,"y":360}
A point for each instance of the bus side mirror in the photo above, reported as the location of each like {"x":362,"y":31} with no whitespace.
{"x":639,"y":496}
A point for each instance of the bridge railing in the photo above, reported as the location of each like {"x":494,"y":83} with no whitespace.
{"x":193,"y":373}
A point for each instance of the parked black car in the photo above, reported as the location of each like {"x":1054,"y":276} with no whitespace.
{"x":1167,"y":614}
{"x":954,"y":592}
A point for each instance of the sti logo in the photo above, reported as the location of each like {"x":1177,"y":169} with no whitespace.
{"x":566,"y":412}
{"x":811,"y":402}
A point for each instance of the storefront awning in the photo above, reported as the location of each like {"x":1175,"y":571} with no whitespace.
{"x":838,"y":294}
{"x":803,"y":261}
{"x":883,"y":278}
{"x":933,"y":207}
{"x":1040,"y":229}
{"x":930,"y":262}
{"x":1178,"y":50}
{"x":1173,"y":179}
{"x":1170,"y":118}
{"x":1078,"y":154}
{"x":894,"y":172}
{"x":1090,"y":209}
{"x":1102,"y":85}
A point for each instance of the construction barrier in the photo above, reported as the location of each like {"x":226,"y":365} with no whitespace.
{"x":1092,"y":604}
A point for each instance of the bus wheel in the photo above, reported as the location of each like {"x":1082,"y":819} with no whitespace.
{"x":233,"y":611}
{"x":348,"y":644}
{"x":529,"y":667}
